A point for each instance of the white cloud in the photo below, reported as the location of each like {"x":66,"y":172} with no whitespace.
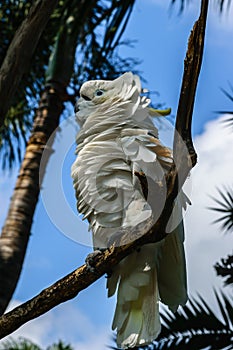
{"x":66,"y":323}
{"x":205,"y":243}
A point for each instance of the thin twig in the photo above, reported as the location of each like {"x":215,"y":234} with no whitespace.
{"x":69,"y":286}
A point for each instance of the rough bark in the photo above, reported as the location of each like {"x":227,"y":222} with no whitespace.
{"x":69,"y":286}
{"x":192,"y":67}
{"x":16,"y":230}
{"x":20,"y":51}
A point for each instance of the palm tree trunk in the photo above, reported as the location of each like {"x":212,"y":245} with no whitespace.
{"x":16,"y":231}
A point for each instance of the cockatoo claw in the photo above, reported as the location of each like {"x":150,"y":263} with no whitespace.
{"x":91,"y":259}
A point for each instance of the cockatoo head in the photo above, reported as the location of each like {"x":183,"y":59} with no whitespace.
{"x":100,"y":94}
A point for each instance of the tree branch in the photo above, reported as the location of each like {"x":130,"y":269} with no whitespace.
{"x":69,"y":286}
{"x":20,"y":51}
{"x":192,"y":67}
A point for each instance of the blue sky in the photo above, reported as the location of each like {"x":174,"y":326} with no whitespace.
{"x":55,"y":250}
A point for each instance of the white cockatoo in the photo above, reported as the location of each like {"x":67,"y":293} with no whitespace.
{"x":117,"y":176}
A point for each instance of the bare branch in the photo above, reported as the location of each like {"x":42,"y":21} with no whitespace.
{"x":20,"y":51}
{"x":69,"y":286}
{"x":192,"y":67}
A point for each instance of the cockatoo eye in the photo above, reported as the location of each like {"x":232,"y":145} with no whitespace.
{"x":99,"y":92}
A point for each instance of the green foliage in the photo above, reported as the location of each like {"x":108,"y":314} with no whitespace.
{"x":225,"y":208}
{"x":182,"y":4}
{"x":224,"y":268}
{"x":20,"y":116}
{"x":24,"y":344}
{"x":196,"y":327}
{"x":20,"y":344}
{"x":60,"y":346}
{"x":222,"y":4}
{"x":229,"y":95}
{"x":96,"y":55}
{"x":79,"y":43}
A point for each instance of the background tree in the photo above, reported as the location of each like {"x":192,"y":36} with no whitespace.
{"x":24,"y":344}
{"x":69,"y":52}
{"x":222,"y":4}
{"x":224,"y":207}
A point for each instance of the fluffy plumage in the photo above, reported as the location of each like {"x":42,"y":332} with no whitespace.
{"x":117,"y":178}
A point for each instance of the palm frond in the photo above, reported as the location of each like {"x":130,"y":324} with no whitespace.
{"x":90,"y":28}
{"x":228,"y":121}
{"x":19,"y":117}
{"x":196,"y":327}
{"x":224,"y":268}
{"x":117,"y":22}
{"x":60,"y":346}
{"x":96,"y":55}
{"x":182,"y":4}
{"x":25,"y":344}
{"x":20,"y":344}
{"x":229,"y":95}
{"x":225,"y":207}
{"x":224,"y":4}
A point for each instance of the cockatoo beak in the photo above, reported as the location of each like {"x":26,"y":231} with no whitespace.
{"x":76,"y":108}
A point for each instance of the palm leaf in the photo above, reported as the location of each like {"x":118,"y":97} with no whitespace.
{"x":229,"y":95}
{"x":20,"y":344}
{"x":25,"y":344}
{"x":94,"y":52}
{"x":19,"y":117}
{"x":228,"y":121}
{"x":182,"y":4}
{"x":225,"y":208}
{"x":60,"y":346}
{"x":117,"y":22}
{"x":196,"y":327}
{"x":224,"y":268}
{"x":223,"y":3}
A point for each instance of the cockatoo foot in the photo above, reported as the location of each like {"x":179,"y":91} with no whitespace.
{"x":91,"y":259}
